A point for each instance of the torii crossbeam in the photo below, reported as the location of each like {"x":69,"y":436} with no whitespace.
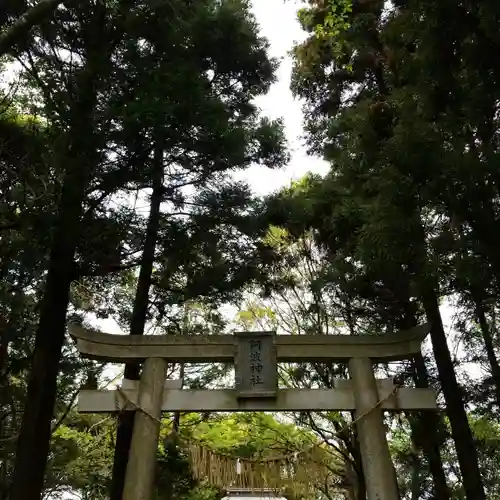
{"x":255,"y":356}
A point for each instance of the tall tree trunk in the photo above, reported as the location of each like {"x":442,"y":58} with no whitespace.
{"x":455,"y":407}
{"x":488,"y":343}
{"x":4,"y":356}
{"x":351,"y":482}
{"x":460,"y":430}
{"x":34,"y":438}
{"x":425,"y":433}
{"x":138,"y":321}
{"x":358,"y":467}
{"x":172,"y":444}
{"x":81,"y":158}
{"x":425,"y":425}
{"x":415,"y":477}
{"x":176,"y":419}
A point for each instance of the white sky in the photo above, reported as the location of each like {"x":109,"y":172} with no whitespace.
{"x":278,"y":23}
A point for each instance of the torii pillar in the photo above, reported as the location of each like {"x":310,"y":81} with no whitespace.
{"x":141,"y":465}
{"x":375,"y":456}
{"x":255,"y":355}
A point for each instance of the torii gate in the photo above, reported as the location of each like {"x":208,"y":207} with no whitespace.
{"x":255,"y":356}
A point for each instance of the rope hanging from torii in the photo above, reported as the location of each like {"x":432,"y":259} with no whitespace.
{"x":301,"y":471}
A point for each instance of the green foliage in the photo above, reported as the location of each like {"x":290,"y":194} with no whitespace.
{"x":400,"y":98}
{"x":82,"y":450}
{"x":250,"y":435}
{"x":121,"y":89}
{"x":402,"y":213}
{"x":332,"y":27}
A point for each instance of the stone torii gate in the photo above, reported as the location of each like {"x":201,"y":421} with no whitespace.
{"x":255,"y":356}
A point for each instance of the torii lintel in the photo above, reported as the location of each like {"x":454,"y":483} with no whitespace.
{"x":221,"y":348}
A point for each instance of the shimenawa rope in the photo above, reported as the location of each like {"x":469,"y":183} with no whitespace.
{"x":339,"y":433}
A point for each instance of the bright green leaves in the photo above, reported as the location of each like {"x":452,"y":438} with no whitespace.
{"x":249,"y":435}
{"x":255,"y":316}
{"x":335,"y":23}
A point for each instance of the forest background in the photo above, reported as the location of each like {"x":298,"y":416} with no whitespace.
{"x":128,"y":135}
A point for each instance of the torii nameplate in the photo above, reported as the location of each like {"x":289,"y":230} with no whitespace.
{"x":255,"y":365}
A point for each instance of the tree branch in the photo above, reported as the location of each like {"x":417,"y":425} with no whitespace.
{"x":35,"y":15}
{"x":62,"y":418}
{"x":81,"y":271}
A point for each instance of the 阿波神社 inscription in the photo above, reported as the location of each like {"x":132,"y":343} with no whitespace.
{"x":255,"y":365}
{"x":255,"y":355}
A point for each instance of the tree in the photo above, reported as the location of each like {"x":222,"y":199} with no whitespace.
{"x":192,"y":145}
{"x":17,"y":32}
{"x":72,"y":109}
{"x":370,"y":137}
